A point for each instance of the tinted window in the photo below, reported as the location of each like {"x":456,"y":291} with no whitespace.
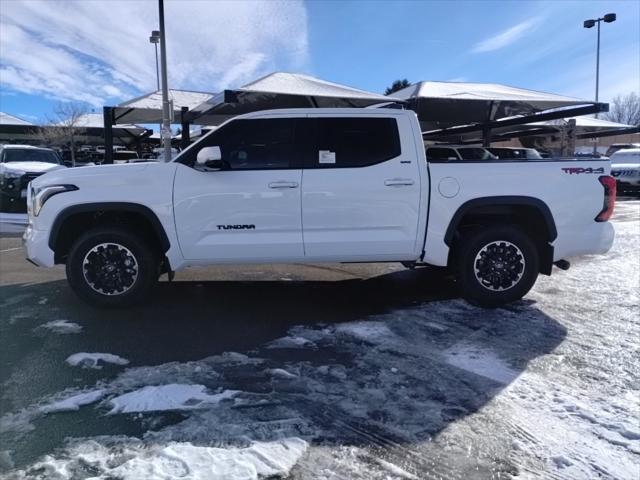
{"x":355,"y":142}
{"x":124,"y":155}
{"x":28,"y":155}
{"x":256,"y":144}
{"x":438,"y":153}
{"x":473,"y":153}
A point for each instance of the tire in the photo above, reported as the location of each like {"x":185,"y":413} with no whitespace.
{"x":111,"y":267}
{"x":496,"y":265}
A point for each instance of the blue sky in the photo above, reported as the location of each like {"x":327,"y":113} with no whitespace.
{"x":98,"y":52}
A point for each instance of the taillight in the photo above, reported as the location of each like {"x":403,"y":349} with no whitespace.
{"x":610,"y":191}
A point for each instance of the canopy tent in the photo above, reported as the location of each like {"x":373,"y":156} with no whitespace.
{"x":585,"y":127}
{"x":454,"y":108}
{"x":7,"y":119}
{"x":148,"y":108}
{"x":282,"y":90}
{"x":89,"y":127}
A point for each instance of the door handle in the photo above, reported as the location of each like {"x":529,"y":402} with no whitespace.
{"x":398,"y":182}
{"x":282,"y":184}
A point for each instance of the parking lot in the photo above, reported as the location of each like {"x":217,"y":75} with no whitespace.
{"x":324,"y":371}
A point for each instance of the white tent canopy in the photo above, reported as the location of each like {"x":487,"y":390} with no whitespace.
{"x":7,"y":119}
{"x":148,"y":108}
{"x":442,"y":105}
{"x":282,"y":90}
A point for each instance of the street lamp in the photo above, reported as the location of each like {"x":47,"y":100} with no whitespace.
{"x":155,"y":39}
{"x":608,"y":18}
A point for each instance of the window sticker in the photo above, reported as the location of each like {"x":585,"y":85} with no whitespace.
{"x":326,"y":156}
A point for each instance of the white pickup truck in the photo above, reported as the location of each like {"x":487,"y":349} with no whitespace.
{"x":318,"y":185}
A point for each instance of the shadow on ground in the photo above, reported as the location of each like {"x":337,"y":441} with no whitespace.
{"x":388,"y":365}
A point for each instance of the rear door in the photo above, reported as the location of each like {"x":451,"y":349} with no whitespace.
{"x":250,"y":210}
{"x":361,"y":189}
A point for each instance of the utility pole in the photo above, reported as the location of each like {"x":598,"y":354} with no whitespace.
{"x":166,"y":108}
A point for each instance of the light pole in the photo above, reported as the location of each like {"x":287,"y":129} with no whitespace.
{"x":608,"y":18}
{"x":155,"y":39}
{"x":166,"y":114}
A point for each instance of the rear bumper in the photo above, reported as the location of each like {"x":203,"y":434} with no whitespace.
{"x":36,"y":245}
{"x":596,"y":239}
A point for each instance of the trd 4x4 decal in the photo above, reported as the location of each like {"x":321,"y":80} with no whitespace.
{"x":578,"y":170}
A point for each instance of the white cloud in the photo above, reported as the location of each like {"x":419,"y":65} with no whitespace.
{"x":507,"y":37}
{"x":99,"y":51}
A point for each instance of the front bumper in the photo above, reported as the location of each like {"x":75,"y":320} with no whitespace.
{"x":36,"y":245}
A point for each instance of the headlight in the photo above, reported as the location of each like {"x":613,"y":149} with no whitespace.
{"x":8,"y":179}
{"x":39,"y":195}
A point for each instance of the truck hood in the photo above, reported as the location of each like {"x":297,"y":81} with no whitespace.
{"x":98,"y":172}
{"x":31,"y":167}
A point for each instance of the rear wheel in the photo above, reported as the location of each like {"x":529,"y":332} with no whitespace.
{"x":111,"y":267}
{"x":496,"y":265}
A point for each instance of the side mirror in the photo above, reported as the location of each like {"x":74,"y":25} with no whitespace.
{"x":210,"y":158}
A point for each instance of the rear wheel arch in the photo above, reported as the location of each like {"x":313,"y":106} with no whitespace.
{"x":530,"y":214}
{"x":75,"y":220}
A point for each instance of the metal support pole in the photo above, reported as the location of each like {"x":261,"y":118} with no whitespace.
{"x":598,"y":64}
{"x":595,"y":140}
{"x":486,"y":137}
{"x":166,"y":114}
{"x":186,"y":140}
{"x":107,"y":115}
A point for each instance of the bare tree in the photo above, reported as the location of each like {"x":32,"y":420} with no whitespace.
{"x":397,"y":85}
{"x":625,"y":109}
{"x":64,"y":127}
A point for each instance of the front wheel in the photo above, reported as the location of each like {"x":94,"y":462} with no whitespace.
{"x":110,"y":267}
{"x":496,"y":265}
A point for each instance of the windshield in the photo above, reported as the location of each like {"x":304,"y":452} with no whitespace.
{"x":474,"y":153}
{"x":28,"y":155}
{"x":124,"y":155}
{"x":625,"y":158}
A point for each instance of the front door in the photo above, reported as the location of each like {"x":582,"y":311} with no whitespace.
{"x":250,"y":210}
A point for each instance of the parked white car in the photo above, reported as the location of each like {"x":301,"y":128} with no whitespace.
{"x":318,"y":185}
{"x":19,"y":164}
{"x":625,"y":167}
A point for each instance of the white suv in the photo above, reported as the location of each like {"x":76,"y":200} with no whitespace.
{"x":625,"y":167}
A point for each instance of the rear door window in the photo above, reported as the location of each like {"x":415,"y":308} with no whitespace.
{"x":352,"y":142}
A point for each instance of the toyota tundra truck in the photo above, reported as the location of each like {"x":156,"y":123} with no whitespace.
{"x":319,"y":185}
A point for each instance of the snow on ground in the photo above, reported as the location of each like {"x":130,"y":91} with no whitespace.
{"x":134,"y":461}
{"x":74,"y":402}
{"x":545,"y":388}
{"x":167,"y":397}
{"x":92,"y":360}
{"x":62,"y":327}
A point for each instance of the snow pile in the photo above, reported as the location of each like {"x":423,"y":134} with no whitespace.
{"x":62,"y":327}
{"x":291,"y":341}
{"x":91,"y":360}
{"x":174,"y":460}
{"x":480,"y":361}
{"x":74,"y":402}
{"x":167,"y":397}
{"x":369,"y":331}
